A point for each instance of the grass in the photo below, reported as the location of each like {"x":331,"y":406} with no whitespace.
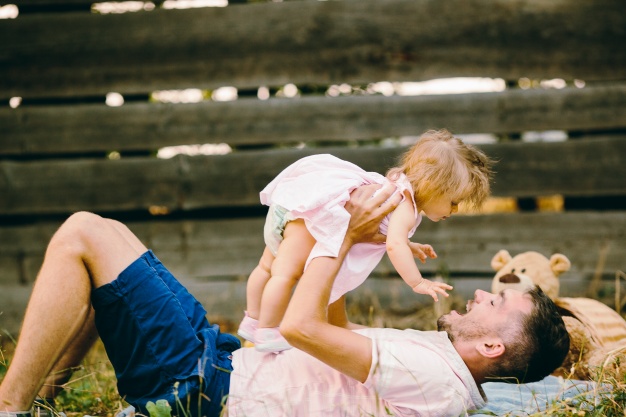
{"x":92,"y":390}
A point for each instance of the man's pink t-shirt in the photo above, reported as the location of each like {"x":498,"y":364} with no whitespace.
{"x":413,"y":373}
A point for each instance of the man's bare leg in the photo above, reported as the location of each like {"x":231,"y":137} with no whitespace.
{"x":62,"y":370}
{"x":86,"y":252}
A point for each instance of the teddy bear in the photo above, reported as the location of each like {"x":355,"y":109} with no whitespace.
{"x":597,"y":333}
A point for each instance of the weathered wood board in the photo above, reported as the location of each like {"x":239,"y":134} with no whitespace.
{"x":577,"y":167}
{"x":318,"y":43}
{"x":210,"y":250}
{"x":225,"y":300}
{"x":42,"y":130}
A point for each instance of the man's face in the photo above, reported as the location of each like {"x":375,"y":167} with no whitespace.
{"x":486,"y":314}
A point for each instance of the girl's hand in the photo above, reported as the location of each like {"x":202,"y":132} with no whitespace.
{"x":421,"y":252}
{"x":432,"y":288}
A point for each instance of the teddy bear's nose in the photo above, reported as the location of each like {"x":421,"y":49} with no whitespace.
{"x":509,"y":279}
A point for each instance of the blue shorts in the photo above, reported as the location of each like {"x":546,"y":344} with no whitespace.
{"x":160,"y":342}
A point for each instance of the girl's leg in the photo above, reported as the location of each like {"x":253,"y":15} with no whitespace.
{"x":256,"y":284}
{"x":254,"y":291}
{"x":285,"y":272}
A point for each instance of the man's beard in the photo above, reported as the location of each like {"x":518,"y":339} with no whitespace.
{"x":466,"y":329}
{"x":444,"y":326}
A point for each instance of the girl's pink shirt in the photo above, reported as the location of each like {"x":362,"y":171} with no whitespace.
{"x":413,"y":373}
{"x":316,"y":189}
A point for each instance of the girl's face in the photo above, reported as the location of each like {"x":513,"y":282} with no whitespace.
{"x":440,"y":208}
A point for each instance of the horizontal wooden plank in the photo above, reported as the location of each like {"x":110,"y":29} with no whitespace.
{"x":318,"y":43}
{"x":88,"y":3}
{"x":150,"y":126}
{"x":213,"y":258}
{"x":390,"y":301}
{"x":54,"y":2}
{"x":214,"y":250}
{"x":572,"y":168}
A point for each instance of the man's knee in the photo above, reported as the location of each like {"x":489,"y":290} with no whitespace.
{"x":82,"y":221}
{"x":76,"y":229}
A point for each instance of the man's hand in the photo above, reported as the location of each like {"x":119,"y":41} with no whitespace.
{"x":368,"y":210}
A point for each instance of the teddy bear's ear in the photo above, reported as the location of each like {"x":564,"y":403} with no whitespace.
{"x":559,"y":264}
{"x":500,"y":259}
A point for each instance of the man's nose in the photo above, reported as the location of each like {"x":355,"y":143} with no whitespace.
{"x":479,"y":295}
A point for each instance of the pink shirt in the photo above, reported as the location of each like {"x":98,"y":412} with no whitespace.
{"x":413,"y":373}
{"x":316,"y":189}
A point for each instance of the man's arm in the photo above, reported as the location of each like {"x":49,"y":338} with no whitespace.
{"x":305,"y":324}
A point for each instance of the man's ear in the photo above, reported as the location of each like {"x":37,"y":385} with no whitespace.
{"x":491,"y":348}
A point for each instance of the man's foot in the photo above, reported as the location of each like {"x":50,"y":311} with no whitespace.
{"x":248,"y":327}
{"x":269,"y":339}
{"x":45,"y":408}
{"x":47,"y":412}
{"x":41,"y":408}
{"x":28,"y":413}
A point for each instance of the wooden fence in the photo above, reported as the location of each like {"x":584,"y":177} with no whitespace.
{"x":64,"y":150}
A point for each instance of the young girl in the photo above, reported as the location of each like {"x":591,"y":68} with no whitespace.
{"x":306,"y":219}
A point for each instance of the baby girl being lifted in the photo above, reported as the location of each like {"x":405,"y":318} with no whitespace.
{"x":307,"y":219}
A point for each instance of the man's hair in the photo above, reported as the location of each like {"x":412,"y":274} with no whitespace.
{"x":538,"y":347}
{"x":441,"y":165}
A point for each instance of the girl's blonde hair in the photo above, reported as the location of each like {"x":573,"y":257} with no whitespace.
{"x":441,"y":165}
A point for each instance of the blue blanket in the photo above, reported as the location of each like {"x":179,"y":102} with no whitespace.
{"x":525,"y":399}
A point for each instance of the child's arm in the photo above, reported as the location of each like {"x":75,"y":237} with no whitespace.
{"x":421,"y":251}
{"x":401,"y":256}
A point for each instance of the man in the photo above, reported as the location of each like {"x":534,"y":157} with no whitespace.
{"x":97,"y":274}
